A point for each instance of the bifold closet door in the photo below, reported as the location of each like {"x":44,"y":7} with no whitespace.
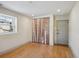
{"x":34,"y":30}
{"x":40,"y":30}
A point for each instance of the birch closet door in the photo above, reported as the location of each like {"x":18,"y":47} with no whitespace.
{"x":45,"y":31}
{"x":40,"y":30}
{"x":34,"y":30}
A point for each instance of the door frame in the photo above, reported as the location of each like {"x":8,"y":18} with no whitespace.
{"x":47,"y":16}
{"x":54,"y":31}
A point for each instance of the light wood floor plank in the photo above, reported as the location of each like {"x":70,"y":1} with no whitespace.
{"x":35,"y":50}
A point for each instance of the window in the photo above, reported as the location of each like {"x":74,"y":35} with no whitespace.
{"x":8,"y":24}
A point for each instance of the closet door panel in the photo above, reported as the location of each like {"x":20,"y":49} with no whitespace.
{"x":40,"y":30}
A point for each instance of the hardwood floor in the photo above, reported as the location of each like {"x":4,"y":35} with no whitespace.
{"x":35,"y":50}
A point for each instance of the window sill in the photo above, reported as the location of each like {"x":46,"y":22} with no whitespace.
{"x":8,"y":33}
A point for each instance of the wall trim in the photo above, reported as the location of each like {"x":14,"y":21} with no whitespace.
{"x":12,"y":49}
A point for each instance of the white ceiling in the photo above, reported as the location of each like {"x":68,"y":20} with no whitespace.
{"x":38,"y":8}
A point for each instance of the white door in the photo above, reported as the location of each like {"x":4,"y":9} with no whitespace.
{"x":61,"y":32}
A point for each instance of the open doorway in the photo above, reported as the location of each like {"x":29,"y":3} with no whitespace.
{"x":61,"y":28}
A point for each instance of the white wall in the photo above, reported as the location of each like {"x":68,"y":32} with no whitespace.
{"x":74,"y":30}
{"x":62,"y":17}
{"x":24,"y":35}
{"x":51,"y":30}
